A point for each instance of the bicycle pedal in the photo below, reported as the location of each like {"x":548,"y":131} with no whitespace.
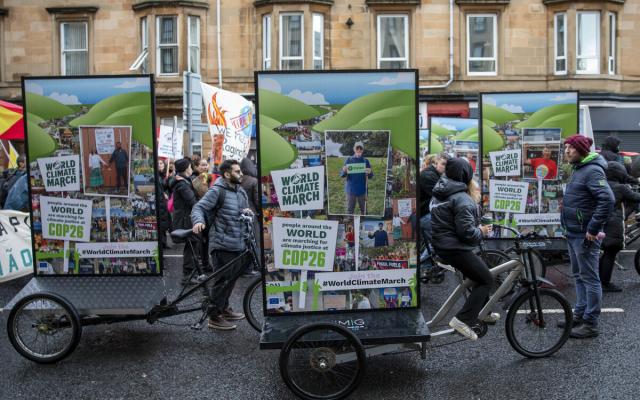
{"x":201,"y":278}
{"x":197,"y":326}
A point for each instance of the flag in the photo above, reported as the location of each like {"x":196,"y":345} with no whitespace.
{"x":11,"y":123}
{"x":13,"y":156}
{"x":230,"y":119}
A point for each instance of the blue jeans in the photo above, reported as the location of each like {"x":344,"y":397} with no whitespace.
{"x":584,"y":266}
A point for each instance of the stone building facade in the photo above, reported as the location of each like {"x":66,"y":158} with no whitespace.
{"x":497,"y":45}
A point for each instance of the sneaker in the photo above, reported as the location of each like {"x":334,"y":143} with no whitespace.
{"x":463,"y":329}
{"x":220,"y":323}
{"x":251,"y":273}
{"x":576,"y":322}
{"x":585,"y":331}
{"x":229,"y":315}
{"x":611,"y":288}
{"x":492,"y":318}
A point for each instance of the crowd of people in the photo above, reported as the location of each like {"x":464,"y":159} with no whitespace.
{"x":597,"y":201}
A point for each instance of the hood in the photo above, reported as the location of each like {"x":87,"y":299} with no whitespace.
{"x":248,"y":168}
{"x":611,"y":143}
{"x":173,"y":182}
{"x":593,"y":158}
{"x":459,"y":170}
{"x":223,"y":184}
{"x":446,"y":187}
{"x":616,"y":172}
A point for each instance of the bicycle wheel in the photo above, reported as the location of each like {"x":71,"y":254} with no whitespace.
{"x":534,"y":333}
{"x":322,"y":361}
{"x":44,"y":327}
{"x":636,"y":261}
{"x":493,"y":258}
{"x":252,"y":304}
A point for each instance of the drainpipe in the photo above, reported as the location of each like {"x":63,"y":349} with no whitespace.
{"x":219,"y":44}
{"x":442,"y":86}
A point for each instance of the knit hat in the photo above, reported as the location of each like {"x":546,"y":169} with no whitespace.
{"x":582,"y":144}
{"x":182,"y":165}
{"x":459,"y":170}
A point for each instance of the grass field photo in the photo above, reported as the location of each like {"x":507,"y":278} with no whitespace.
{"x":376,"y":186}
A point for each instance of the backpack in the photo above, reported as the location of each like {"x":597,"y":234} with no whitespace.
{"x":170,"y":207}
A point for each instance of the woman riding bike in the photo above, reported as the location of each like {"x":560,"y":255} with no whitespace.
{"x":456,"y":234}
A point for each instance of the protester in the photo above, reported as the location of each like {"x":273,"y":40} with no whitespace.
{"x":251,"y":186}
{"x":18,"y":198}
{"x":428,"y":179}
{"x":355,"y":185}
{"x":221,"y":207}
{"x":587,"y":204}
{"x":195,"y":163}
{"x":184,"y":198}
{"x":164,"y":217}
{"x":614,"y":230}
{"x":201,"y":178}
{"x":121,"y":159}
{"x":456,"y":236}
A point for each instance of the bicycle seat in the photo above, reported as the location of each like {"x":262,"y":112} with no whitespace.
{"x":181,"y":233}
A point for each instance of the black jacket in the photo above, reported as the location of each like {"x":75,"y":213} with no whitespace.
{"x":611,"y":149}
{"x":428,"y":179}
{"x":184,"y":198}
{"x":454,"y":217}
{"x":616,"y":175}
{"x":588,"y":199}
{"x":250,"y":183}
{"x":164,"y":218}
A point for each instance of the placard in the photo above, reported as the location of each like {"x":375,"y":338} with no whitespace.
{"x":304,"y":244}
{"x":60,"y":174}
{"x":66,"y":219}
{"x":537,"y":219}
{"x":105,"y":140}
{"x":299,"y":189}
{"x":508,"y":196}
{"x":170,"y":142}
{"x":505,"y":163}
{"x":334,"y":281}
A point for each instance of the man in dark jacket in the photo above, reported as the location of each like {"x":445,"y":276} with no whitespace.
{"x":226,"y":239}
{"x":587,"y":204}
{"x":184,"y":198}
{"x":380,"y":237}
{"x":121,"y":159}
{"x":356,"y":171}
{"x":614,"y":239}
{"x":611,"y":149}
{"x":428,"y":179}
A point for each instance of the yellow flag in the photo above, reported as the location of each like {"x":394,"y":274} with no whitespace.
{"x":13,"y":156}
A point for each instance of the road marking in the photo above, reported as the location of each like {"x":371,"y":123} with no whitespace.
{"x":560,"y":311}
{"x":627,"y":251}
{"x":171,"y":255}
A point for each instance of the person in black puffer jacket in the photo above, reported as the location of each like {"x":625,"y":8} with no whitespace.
{"x":428,"y":179}
{"x":611,"y":149}
{"x":456,"y":234}
{"x":184,"y":198}
{"x":614,"y":230}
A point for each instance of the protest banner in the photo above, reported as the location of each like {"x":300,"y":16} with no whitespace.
{"x":230,"y":116}
{"x":304,"y":244}
{"x":170,"y":142}
{"x":537,"y":219}
{"x":331,"y":281}
{"x":505,"y":163}
{"x":60,"y":174}
{"x":404,"y":208}
{"x":66,"y":219}
{"x":105,"y":140}
{"x":508,"y":196}
{"x":299,"y":189}
{"x":390,"y":264}
{"x":16,"y":259}
{"x":116,"y":250}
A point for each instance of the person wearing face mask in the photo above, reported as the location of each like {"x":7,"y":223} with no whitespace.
{"x":220,"y":208}
{"x":184,"y":198}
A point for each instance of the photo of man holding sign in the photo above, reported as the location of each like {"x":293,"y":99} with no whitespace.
{"x":544,"y":167}
{"x":357,"y":172}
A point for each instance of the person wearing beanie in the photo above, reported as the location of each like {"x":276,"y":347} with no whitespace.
{"x":184,"y":198}
{"x":356,"y":179}
{"x":587,"y":204}
{"x":457,"y":233}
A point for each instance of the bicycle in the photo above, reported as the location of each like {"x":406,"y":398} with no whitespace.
{"x":45,"y":327}
{"x":533,"y":309}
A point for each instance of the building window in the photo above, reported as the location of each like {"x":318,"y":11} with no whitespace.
{"x":612,"y":44}
{"x":142,"y":61}
{"x":74,"y":45}
{"x":393,"y":41}
{"x":167,"y":45}
{"x":588,"y":43}
{"x":482,"y":44}
{"x":194,"y":44}
{"x":560,"y":40}
{"x":266,"y":42}
{"x":318,"y":41}
{"x":291,"y":41}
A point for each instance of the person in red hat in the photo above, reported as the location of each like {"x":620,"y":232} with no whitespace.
{"x":587,"y":203}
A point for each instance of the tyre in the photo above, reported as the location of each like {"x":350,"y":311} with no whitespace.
{"x":534,"y":333}
{"x":493,"y":258}
{"x":322,"y":361}
{"x":636,"y":261}
{"x":44,"y":327}
{"x":253,"y":304}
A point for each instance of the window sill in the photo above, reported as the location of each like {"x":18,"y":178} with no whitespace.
{"x":72,"y":10}
{"x":550,"y":2}
{"x":144,"y":4}
{"x":482,"y":2}
{"x":404,"y":2}
{"x":261,"y":3}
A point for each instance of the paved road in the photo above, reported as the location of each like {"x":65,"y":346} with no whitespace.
{"x":140,"y":361}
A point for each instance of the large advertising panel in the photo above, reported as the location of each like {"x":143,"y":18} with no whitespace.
{"x":90,"y":151}
{"x":338,"y":166}
{"x":523,"y":167}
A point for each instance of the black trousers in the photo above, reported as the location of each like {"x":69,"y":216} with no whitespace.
{"x":224,"y":284}
{"x":188,"y":259}
{"x":121,"y":174}
{"x":607,"y":261}
{"x":472,"y":267}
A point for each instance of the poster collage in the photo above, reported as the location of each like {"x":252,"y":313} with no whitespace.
{"x":524,"y":172}
{"x":338,"y":186}
{"x":90,"y":153}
